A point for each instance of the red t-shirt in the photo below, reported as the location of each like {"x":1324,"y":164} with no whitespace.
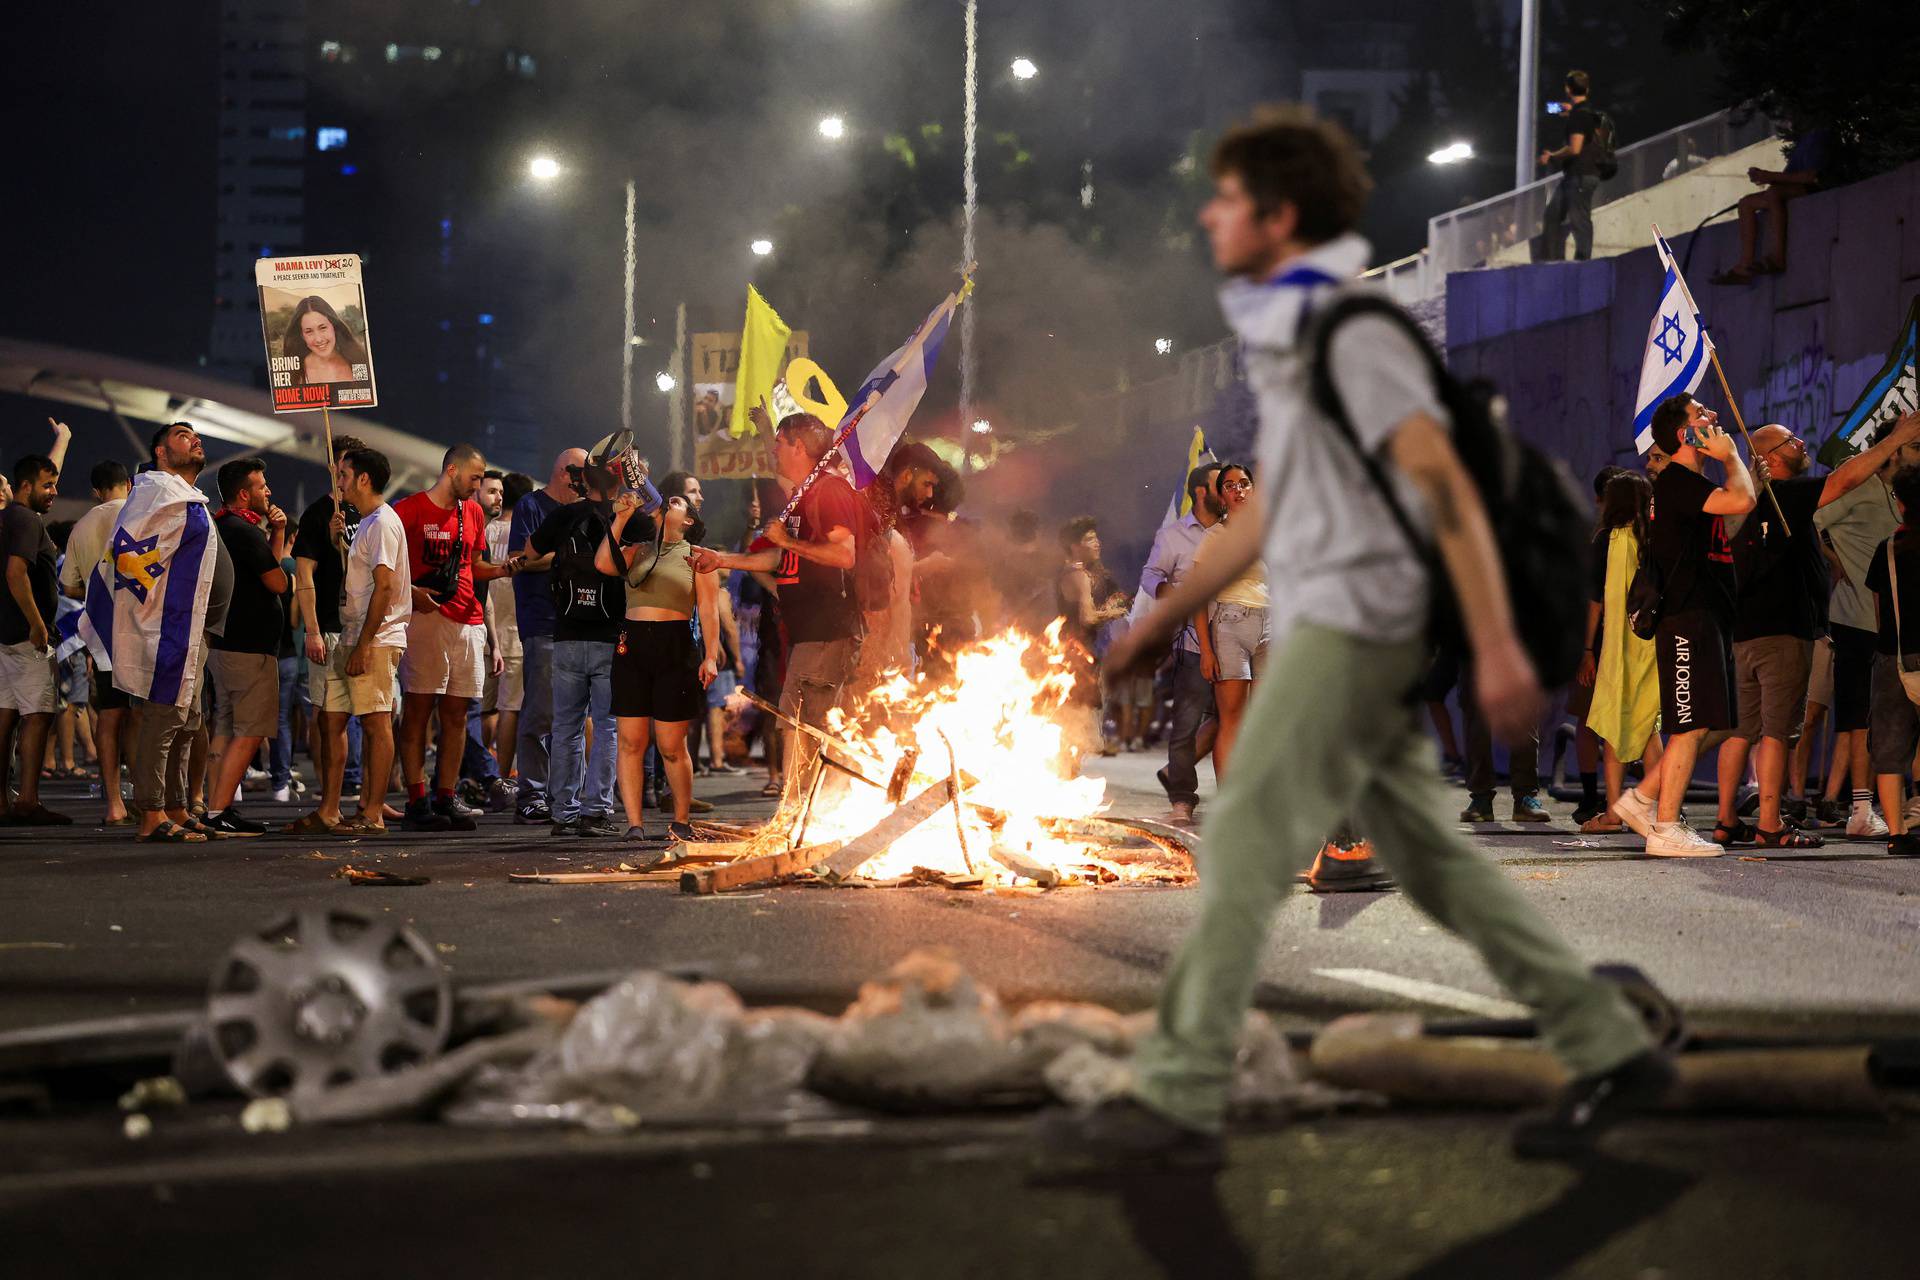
{"x":816,"y":601}
{"x":431,"y":531}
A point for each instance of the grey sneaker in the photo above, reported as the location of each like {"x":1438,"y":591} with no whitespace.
{"x":571,"y":827}
{"x":598,"y":826}
{"x":1527,"y":808}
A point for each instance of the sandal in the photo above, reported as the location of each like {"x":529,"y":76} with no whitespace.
{"x":772,"y":790}
{"x":1739,"y":835}
{"x":1602,"y":824}
{"x":1786,"y":838}
{"x":360,"y":825}
{"x":311,"y":824}
{"x":172,"y":833}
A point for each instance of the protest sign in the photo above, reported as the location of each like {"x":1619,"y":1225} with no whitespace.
{"x":313,"y":316}
{"x":715,"y":364}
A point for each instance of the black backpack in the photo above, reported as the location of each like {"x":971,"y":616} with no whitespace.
{"x":1542,"y":523}
{"x":1606,"y":161}
{"x":581,"y":593}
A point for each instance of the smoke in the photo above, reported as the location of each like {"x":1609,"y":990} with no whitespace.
{"x":711,"y":111}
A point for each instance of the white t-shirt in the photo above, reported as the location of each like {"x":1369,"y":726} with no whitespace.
{"x":381,"y":540}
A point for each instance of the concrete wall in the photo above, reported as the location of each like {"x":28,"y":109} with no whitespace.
{"x":1564,"y":340}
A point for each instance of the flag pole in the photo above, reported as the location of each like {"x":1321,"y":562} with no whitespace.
{"x":1713,"y":354}
{"x":954,"y":301}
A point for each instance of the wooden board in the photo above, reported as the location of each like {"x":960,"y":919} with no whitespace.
{"x":668,"y":869}
{"x":750,"y":871}
{"x":856,"y":852}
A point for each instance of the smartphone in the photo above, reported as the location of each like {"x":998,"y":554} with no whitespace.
{"x":1556,"y":108}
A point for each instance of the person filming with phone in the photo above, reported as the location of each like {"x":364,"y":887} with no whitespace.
{"x":1571,"y":208}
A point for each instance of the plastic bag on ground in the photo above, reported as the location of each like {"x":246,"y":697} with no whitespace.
{"x":925,"y":1036}
{"x":651,"y":1048}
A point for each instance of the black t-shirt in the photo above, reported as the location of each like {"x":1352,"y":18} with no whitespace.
{"x":254,"y":619}
{"x":1581,"y":120}
{"x":24,"y":534}
{"x":1781,"y":574}
{"x":1690,"y":546}
{"x":599,"y":599}
{"x":313,"y":542}
{"x":819,"y":602}
{"x":1881,"y":584}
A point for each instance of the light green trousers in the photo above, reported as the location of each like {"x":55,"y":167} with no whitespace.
{"x":1330,"y":733}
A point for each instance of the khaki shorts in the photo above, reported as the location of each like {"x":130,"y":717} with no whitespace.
{"x":444,"y":657}
{"x":510,"y":687}
{"x":26,"y":679}
{"x":1770,"y":682}
{"x":320,"y":674}
{"x":246,"y":694}
{"x":1820,"y":680}
{"x":361,"y":695}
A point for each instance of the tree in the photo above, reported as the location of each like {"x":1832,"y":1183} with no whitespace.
{"x":1846,"y":65}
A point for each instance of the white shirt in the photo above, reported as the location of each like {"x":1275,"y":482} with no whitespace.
{"x":381,"y":540}
{"x":1170,"y":560}
{"x":87,"y":543}
{"x":1334,"y":555}
{"x":506,"y":623}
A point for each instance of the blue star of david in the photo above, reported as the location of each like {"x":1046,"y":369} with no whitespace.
{"x":137,"y":565}
{"x":1670,"y":325}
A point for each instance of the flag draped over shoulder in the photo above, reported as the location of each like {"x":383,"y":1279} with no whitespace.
{"x":892,"y":391}
{"x":763,"y":348}
{"x":146,"y":606}
{"x":1890,"y":393}
{"x":1678,"y":348}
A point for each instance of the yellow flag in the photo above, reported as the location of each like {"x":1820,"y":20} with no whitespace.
{"x":1195,"y":452}
{"x":763,"y":350}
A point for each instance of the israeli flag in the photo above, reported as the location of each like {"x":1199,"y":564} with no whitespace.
{"x":146,"y":606}
{"x":887,"y":399}
{"x":1678,"y":348}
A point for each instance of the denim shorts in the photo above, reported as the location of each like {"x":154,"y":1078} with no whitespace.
{"x":1239,"y":640}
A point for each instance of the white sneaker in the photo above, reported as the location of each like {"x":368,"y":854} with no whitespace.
{"x":1865,"y":824}
{"x":1912,"y":811}
{"x":282,"y":794}
{"x":1678,"y":840}
{"x":1636,"y":811}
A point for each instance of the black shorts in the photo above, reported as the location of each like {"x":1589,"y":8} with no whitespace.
{"x":1696,"y":674}
{"x":1852,"y":678}
{"x":106,"y":696}
{"x":656,"y":673}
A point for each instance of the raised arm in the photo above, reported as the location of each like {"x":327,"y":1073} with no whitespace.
{"x":1854,"y":471}
{"x":1736,"y":496}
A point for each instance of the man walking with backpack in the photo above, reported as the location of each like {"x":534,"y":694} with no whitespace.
{"x":1334,"y":727}
{"x":1586,"y":158}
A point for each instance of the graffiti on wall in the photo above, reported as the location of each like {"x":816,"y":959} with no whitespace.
{"x":1798,"y":391}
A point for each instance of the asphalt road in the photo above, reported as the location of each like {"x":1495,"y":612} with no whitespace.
{"x":92,"y":923}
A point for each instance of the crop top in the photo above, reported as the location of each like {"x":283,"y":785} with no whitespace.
{"x":669,"y":586}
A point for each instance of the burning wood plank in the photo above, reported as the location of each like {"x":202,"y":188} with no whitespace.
{"x":752,"y":871}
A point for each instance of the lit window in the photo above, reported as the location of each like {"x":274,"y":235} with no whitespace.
{"x":485,"y":317}
{"x":393,"y":53}
{"x":329,"y":138}
{"x":330,"y":50}
{"x":431,"y":53}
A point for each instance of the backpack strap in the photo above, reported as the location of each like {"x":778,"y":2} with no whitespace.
{"x":1326,"y":397}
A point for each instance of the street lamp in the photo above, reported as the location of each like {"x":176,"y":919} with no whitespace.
{"x":544,"y":168}
{"x":1023,"y":69}
{"x":664,"y":381}
{"x":833,"y":127}
{"x":761,"y":248}
{"x":1163,"y":346}
{"x":1452,"y":153}
{"x":982,"y":427}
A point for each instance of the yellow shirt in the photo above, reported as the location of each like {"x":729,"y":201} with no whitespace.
{"x":1250,"y":588}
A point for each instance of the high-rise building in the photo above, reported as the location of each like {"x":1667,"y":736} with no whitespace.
{"x":260,"y":207}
